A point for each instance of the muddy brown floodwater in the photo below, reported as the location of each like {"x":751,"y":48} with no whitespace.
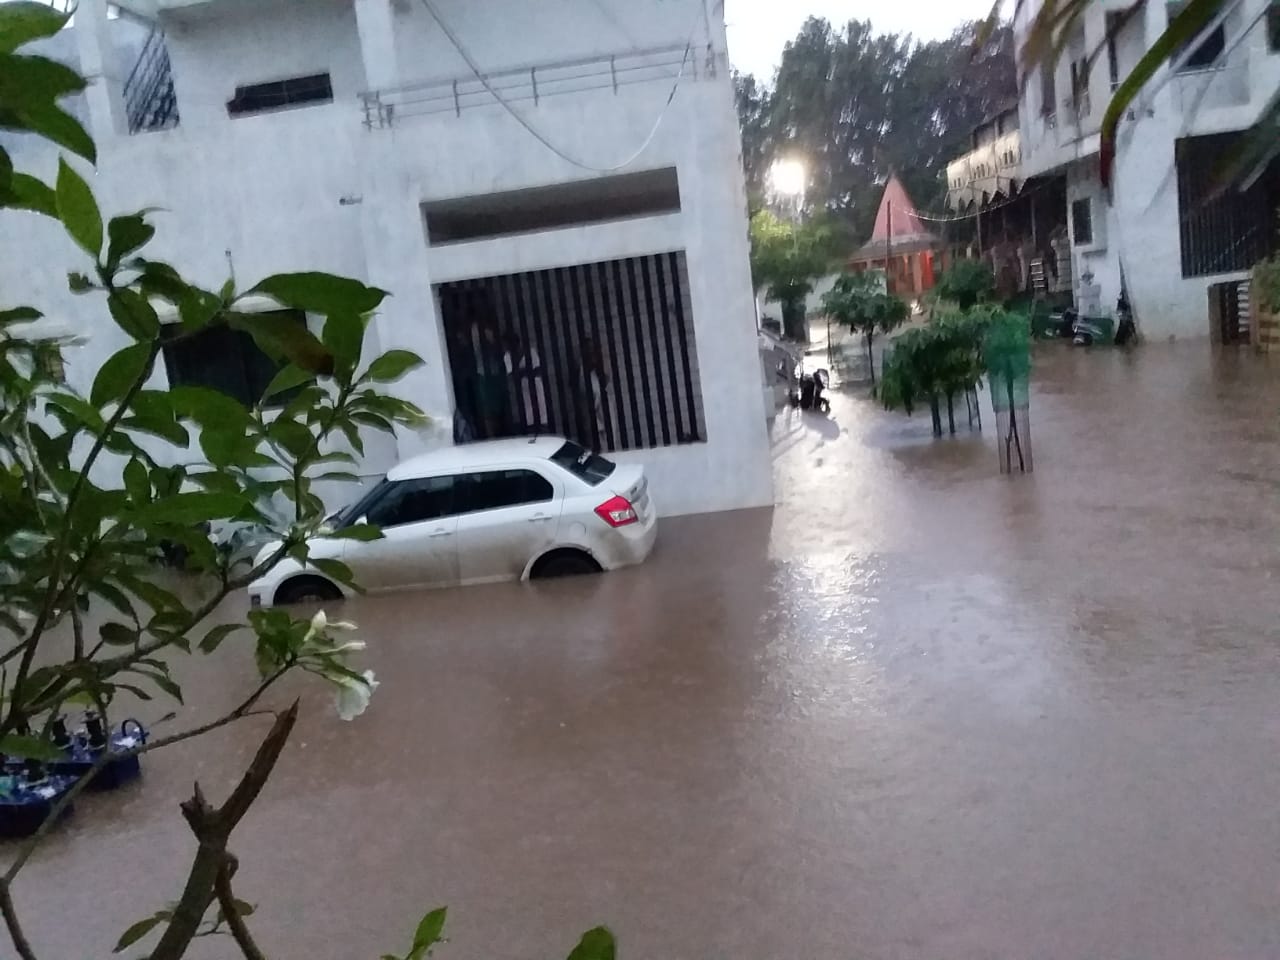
{"x":918,"y":710}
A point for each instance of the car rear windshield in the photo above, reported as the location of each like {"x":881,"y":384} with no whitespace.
{"x":582,"y":463}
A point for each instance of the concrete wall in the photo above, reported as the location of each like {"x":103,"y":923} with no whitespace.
{"x":313,"y":188}
{"x":217,"y":47}
{"x":1141,"y":222}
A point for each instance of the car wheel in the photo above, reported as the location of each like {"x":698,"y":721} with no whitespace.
{"x":570,"y":563}
{"x":307,"y":590}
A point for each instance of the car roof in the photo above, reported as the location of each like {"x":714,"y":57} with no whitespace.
{"x":472,"y":455}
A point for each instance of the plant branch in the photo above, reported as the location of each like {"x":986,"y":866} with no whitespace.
{"x":245,"y":709}
{"x":60,"y":549}
{"x":16,"y":934}
{"x":230,"y":913}
{"x":212,"y":828}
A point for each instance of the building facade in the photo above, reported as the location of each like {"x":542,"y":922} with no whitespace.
{"x":1166,"y":235}
{"x":551,"y":192}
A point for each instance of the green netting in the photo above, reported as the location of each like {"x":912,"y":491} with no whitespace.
{"x":1009,"y":389}
{"x":1007,"y":353}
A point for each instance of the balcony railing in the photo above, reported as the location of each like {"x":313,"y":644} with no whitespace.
{"x":530,"y":83}
{"x":1219,"y":86}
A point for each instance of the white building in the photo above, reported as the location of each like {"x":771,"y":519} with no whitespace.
{"x":1162,"y":232}
{"x":599,"y":215}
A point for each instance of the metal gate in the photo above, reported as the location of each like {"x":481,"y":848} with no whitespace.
{"x":602,"y":353}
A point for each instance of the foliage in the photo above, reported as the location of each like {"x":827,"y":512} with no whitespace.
{"x":966,"y":283}
{"x":858,"y":301}
{"x":857,"y":106}
{"x":934,"y":363}
{"x":785,"y":260}
{"x":74,"y":544}
{"x":1266,"y":284}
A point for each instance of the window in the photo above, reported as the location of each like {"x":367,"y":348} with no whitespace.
{"x":496,"y":489}
{"x":295,"y":91}
{"x":1209,"y":46}
{"x":1273,"y":26}
{"x":225,"y":360}
{"x":1048,"y":91}
{"x":412,"y":501}
{"x":582,"y":463}
{"x":1115,"y":21}
{"x":1082,"y":222}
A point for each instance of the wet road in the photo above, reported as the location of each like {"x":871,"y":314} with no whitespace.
{"x":918,"y":710}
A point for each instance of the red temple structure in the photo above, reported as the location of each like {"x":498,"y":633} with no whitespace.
{"x":901,"y":245}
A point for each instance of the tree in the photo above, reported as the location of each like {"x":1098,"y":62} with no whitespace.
{"x":857,"y":301}
{"x":785,"y":260}
{"x":70,"y":546}
{"x":965,"y":283}
{"x":856,"y":106}
{"x":935,"y":363}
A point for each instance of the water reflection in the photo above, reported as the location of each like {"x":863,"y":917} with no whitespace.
{"x":917,"y":710}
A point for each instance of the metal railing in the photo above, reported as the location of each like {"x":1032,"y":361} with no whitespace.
{"x":150,"y":100}
{"x":528,"y":83}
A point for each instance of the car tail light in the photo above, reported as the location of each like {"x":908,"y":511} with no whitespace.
{"x":617,"y":512}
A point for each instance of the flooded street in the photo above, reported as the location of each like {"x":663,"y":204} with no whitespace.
{"x":917,"y":710}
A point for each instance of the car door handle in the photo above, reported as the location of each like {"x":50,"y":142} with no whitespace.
{"x":440,"y":533}
{"x":538,"y":518}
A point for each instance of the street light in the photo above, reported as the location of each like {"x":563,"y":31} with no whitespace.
{"x":787,"y":179}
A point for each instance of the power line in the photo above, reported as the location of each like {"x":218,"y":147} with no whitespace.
{"x":519,"y":118}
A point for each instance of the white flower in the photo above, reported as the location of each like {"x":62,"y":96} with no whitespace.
{"x":319,"y":622}
{"x":353,"y":695}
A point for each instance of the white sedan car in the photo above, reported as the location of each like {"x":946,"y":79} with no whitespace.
{"x":480,"y":512}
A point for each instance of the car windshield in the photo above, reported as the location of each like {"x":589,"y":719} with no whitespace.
{"x":349,"y":515}
{"x":582,"y":463}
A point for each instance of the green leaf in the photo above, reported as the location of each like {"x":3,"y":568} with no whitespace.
{"x":34,"y":748}
{"x":117,"y":634}
{"x":137,"y":932}
{"x":125,"y":235}
{"x":362,"y":532}
{"x":188,"y":509}
{"x":344,"y":334}
{"x":289,"y":377}
{"x":123,"y":369}
{"x":321,"y":293}
{"x":19,"y":315}
{"x":23,"y":22}
{"x":83,"y":414}
{"x":283,"y":336}
{"x":78,"y":210}
{"x":291,"y":435}
{"x":25,"y":192}
{"x":213,"y":639}
{"x":77,"y":282}
{"x":154,"y":596}
{"x":54,"y":123}
{"x":114,"y":596}
{"x":428,"y":932}
{"x":133,"y":313}
{"x":6,"y":170}
{"x":136,"y":481}
{"x":392,"y":365}
{"x":209,"y":407}
{"x":170,"y":430}
{"x":597,"y":944}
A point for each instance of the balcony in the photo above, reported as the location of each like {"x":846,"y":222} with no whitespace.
{"x":1211,"y":88}
{"x":533,"y":83}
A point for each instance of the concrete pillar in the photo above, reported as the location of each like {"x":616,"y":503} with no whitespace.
{"x":98,"y":64}
{"x":375,"y":21}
